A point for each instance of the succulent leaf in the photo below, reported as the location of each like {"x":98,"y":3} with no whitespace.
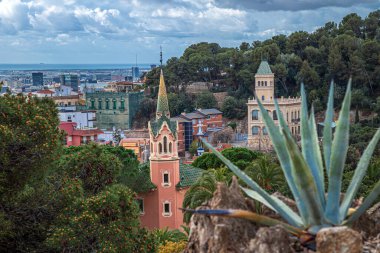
{"x":310,"y":147}
{"x":304,"y":180}
{"x":327,"y":131}
{"x":254,"y":195}
{"x":360,"y":171}
{"x":368,"y":201}
{"x":338,"y":158}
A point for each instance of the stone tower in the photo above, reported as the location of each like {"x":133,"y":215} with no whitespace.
{"x":264,"y":82}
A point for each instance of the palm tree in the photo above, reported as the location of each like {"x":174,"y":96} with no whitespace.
{"x":266,"y":172}
{"x":204,"y":188}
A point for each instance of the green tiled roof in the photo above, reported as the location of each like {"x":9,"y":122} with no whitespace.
{"x":156,"y":125}
{"x":188,"y":175}
{"x":264,"y":69}
{"x":162,"y":99}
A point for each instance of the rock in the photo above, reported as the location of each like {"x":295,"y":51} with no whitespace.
{"x":339,"y":240}
{"x":218,"y":234}
{"x":368,"y":224}
{"x":271,"y":239}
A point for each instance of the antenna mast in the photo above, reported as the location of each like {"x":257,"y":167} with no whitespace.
{"x":161,"y":57}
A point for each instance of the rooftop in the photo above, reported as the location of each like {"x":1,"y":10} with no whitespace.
{"x":210,"y":111}
{"x":264,"y":69}
{"x":188,"y":175}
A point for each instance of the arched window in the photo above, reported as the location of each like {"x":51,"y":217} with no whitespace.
{"x":265,"y":132}
{"x":99,"y":104}
{"x":292,"y":116}
{"x":287,"y":116}
{"x":107,"y":104}
{"x":114,"y":104}
{"x":299,"y":129}
{"x":92,"y":104}
{"x":122,"y":107}
{"x":160,"y":147}
{"x":255,"y":115}
{"x":170,"y":147}
{"x":275,"y":115}
{"x":165,"y":144}
{"x":265,"y":83}
{"x":255,"y":130}
{"x":298,"y":114}
{"x":262,"y":98}
{"x":258,"y":83}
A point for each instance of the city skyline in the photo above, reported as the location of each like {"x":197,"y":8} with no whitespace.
{"x":114,"y":32}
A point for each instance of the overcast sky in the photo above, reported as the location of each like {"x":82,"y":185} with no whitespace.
{"x":114,"y":31}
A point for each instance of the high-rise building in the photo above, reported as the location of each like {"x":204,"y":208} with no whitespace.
{"x":135,"y":73}
{"x":70,"y":80}
{"x":38,"y":79}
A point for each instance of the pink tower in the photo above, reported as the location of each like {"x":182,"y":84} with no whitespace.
{"x":161,"y":206}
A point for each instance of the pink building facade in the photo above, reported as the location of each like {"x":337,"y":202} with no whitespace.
{"x":77,"y":137}
{"x":160,"y":207}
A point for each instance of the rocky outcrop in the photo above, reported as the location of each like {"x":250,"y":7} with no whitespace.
{"x":339,"y":240}
{"x":271,"y":239}
{"x":218,"y":234}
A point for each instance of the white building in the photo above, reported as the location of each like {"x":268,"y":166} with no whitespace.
{"x":84,"y":119}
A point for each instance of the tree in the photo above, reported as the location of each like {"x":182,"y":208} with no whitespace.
{"x":241,"y":157}
{"x":108,"y":221}
{"x":266,"y":172}
{"x":233,"y":108}
{"x":205,"y":100}
{"x":30,"y":140}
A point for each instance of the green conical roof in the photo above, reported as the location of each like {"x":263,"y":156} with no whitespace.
{"x":264,"y":69}
{"x":162,"y":100}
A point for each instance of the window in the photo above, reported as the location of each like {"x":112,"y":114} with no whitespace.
{"x":262,"y":98}
{"x":69,"y":138}
{"x":160,"y":147}
{"x":69,"y":119}
{"x":92,"y":104}
{"x":299,"y":129}
{"x":255,"y":130}
{"x":166,"y":178}
{"x":255,"y":115}
{"x":170,"y":147}
{"x":140,"y":203}
{"x":292,"y":116}
{"x":99,"y":104}
{"x":165,"y":144}
{"x":265,"y":83}
{"x":107,"y":104}
{"x":114,"y":104}
{"x":122,"y":105}
{"x":287,"y":116}
{"x":275,"y":115}
{"x":258,"y":83}
{"x":167,"y":207}
{"x":265,"y":132}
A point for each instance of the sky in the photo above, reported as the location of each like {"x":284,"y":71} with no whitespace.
{"x":115,"y":31}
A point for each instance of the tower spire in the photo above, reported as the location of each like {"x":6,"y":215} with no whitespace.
{"x":162,"y":100}
{"x":161,"y":57}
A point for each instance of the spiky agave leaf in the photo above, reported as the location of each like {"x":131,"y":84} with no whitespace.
{"x":327,"y":131}
{"x":287,"y":167}
{"x":368,"y":201}
{"x":293,"y":219}
{"x":338,"y":158}
{"x":360,"y":171}
{"x":244,"y":214}
{"x":310,"y":148}
{"x":283,"y":155}
{"x":304,"y":180}
{"x":316,"y":149}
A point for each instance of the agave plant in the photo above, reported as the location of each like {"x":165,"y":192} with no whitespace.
{"x":305,"y":173}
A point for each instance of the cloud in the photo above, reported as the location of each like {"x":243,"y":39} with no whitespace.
{"x":105,"y":28}
{"x":290,"y":5}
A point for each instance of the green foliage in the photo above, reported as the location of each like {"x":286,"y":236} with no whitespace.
{"x":162,"y":236}
{"x":266,"y":172}
{"x":106,"y":222}
{"x":29,"y":137}
{"x":205,"y":100}
{"x":234,"y":108}
{"x":241,"y":157}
